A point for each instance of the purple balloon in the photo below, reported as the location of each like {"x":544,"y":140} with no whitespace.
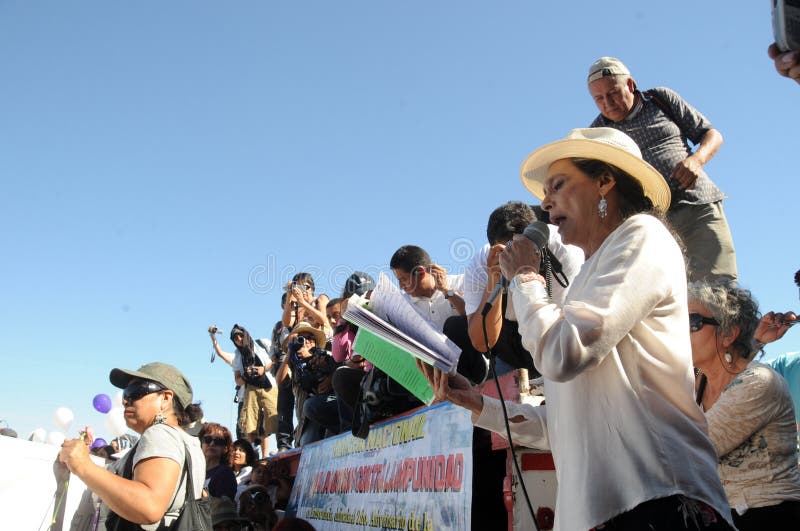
{"x":99,"y":443}
{"x":102,"y":403}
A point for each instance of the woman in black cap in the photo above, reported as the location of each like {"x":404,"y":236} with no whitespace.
{"x":146,"y":489}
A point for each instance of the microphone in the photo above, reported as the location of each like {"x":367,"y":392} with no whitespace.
{"x":539,"y":233}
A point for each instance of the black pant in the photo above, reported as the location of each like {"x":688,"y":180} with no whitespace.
{"x":668,"y":514}
{"x":285,"y":415}
{"x":347,"y":386}
{"x":784,"y":515}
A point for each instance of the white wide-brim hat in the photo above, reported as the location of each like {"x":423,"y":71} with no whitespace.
{"x":600,"y":143}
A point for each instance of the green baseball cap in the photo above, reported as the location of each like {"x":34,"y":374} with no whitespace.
{"x":161,"y":373}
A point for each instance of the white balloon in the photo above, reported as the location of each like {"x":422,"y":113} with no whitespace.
{"x":38,"y":435}
{"x":117,"y":399}
{"x":115,"y":422}
{"x":63,"y":418}
{"x":56,"y":438}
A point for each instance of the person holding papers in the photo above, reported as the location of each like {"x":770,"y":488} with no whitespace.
{"x":630,"y":445}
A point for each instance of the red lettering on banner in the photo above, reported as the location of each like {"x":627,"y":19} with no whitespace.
{"x":427,"y":481}
{"x":409,"y":465}
{"x":440,"y":467}
{"x":457,"y":475}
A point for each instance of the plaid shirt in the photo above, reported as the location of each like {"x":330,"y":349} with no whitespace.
{"x":664,"y":142}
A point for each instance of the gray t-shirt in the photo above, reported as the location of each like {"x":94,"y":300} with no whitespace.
{"x":665,"y":142}
{"x":161,"y":440}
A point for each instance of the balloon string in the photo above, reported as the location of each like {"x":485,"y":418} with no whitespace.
{"x":58,"y":503}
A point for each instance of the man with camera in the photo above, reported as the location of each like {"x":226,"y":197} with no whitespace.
{"x":310,"y":369}
{"x":251,"y":364}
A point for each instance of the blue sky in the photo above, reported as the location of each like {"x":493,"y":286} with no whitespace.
{"x":168,"y":165}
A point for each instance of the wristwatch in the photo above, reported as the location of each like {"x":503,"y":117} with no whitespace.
{"x":449,"y":293}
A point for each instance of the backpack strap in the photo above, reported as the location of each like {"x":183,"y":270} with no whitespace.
{"x":663,"y":105}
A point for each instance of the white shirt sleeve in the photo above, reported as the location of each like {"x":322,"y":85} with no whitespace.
{"x":528,"y":423}
{"x":627,"y":281}
{"x":475,"y":278}
{"x":236,"y":364}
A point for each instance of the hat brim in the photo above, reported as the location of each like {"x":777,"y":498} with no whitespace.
{"x":534,"y":168}
{"x":122,"y":377}
{"x":319,"y":335}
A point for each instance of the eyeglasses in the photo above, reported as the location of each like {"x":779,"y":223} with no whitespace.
{"x":140,"y":389}
{"x":697,"y":322}
{"x":209,"y":440}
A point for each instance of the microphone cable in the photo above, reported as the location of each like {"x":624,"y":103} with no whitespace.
{"x":492,"y":363}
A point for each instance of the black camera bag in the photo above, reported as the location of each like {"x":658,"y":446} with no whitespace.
{"x":380,"y":397}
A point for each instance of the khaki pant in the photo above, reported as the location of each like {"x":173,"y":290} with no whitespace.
{"x":255,"y":400}
{"x":707,"y":238}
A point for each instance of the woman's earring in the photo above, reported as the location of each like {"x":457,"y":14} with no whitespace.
{"x":729,"y":358}
{"x":160,"y":418}
{"x":602,"y":207}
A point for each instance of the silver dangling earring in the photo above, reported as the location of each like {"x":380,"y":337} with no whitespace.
{"x":729,"y":358}
{"x":602,"y":207}
{"x":160,"y":419}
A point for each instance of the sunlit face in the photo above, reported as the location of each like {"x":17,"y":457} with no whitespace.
{"x":333,"y":311}
{"x":704,"y":341}
{"x":571,"y":198}
{"x":238,"y":340}
{"x":213,"y":445}
{"x":141,"y":411}
{"x":614,"y":96}
{"x":417,"y":283}
{"x":239,"y":456}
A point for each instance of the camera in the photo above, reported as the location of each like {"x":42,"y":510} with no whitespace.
{"x":299,"y":341}
{"x":301,"y":287}
{"x":213,"y":330}
{"x":252,"y":372}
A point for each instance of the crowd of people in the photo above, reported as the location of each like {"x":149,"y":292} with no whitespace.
{"x":657,"y":412}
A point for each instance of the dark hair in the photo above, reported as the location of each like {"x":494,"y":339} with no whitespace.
{"x":249,"y":452}
{"x":332,"y":302}
{"x":732,"y":307}
{"x":247,"y":342}
{"x":283,"y":299}
{"x":304,"y":277}
{"x":507,"y":220}
{"x":291,"y":523}
{"x":227,"y":453}
{"x":186,"y":415}
{"x":408,"y":257}
{"x":631,"y":194}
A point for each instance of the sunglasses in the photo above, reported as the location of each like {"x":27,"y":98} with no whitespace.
{"x":209,"y":440}
{"x":258,"y":498}
{"x":139,"y":389}
{"x":697,"y":322}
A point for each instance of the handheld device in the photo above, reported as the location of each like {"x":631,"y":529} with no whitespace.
{"x":786,"y":24}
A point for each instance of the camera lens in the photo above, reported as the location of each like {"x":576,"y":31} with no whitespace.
{"x":300,"y":341}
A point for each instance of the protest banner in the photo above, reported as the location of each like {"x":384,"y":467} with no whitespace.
{"x":412,"y":473}
{"x":34,"y":492}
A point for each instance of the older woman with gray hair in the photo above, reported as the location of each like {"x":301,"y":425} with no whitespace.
{"x":749,"y":410}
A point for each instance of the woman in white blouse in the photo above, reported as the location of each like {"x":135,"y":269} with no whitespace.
{"x":749,"y":409}
{"x":629,"y":443}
